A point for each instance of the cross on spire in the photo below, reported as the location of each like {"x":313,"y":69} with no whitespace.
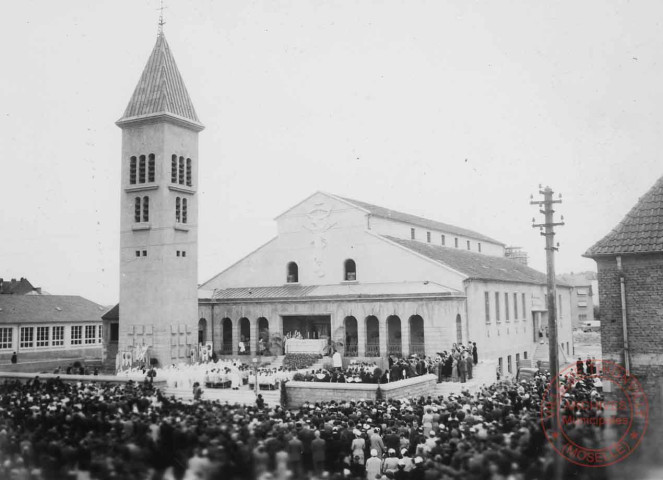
{"x":161,"y":22}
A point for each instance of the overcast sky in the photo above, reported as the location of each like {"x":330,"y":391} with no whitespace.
{"x":452,"y":110}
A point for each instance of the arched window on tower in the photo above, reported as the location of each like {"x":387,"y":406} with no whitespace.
{"x":177,"y":210}
{"x":146,"y":209}
{"x":350,"y":270}
{"x":181,"y":171}
{"x":173,"y":169}
{"x":184,"y":210}
{"x":188,"y":172}
{"x":150,"y":168}
{"x":137,"y":210}
{"x":132,"y":171}
{"x":293,"y":273}
{"x":141,"y":169}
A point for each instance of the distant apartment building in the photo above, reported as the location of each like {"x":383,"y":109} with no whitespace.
{"x":583,"y":291}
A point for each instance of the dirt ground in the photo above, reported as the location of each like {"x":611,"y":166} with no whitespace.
{"x":586,"y":344}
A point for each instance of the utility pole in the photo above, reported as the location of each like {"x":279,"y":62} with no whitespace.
{"x":547,"y":230}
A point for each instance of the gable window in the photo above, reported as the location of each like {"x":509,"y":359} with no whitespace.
{"x":141,"y":169}
{"x":468,"y":244}
{"x":350,"y":270}
{"x":146,"y":209}
{"x":137,"y":210}
{"x":487,"y":305}
{"x":178,"y":203}
{"x":173,"y":169}
{"x":132,"y":171}
{"x":497,"y":306}
{"x":444,"y":240}
{"x":506,"y":306}
{"x":456,"y":242}
{"x":150,"y":168}
{"x":293,"y":273}
{"x":412,"y":235}
{"x":188,"y":172}
{"x":428,"y":237}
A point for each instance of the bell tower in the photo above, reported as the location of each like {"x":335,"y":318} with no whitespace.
{"x":159,"y":214}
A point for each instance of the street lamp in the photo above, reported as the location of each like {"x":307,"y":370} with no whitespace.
{"x":255,"y":370}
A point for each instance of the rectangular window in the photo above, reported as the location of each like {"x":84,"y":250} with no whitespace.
{"x":487,"y":302}
{"x":146,"y":209}
{"x":497,"y":307}
{"x":183,"y":253}
{"x":141,"y":169}
{"x":444,"y":240}
{"x":479,"y":246}
{"x":506,"y":306}
{"x":567,"y":348}
{"x":517,"y":359}
{"x":90,"y":334}
{"x":181,"y":172}
{"x":515,"y":306}
{"x":150,"y":168}
{"x":132,"y":171}
{"x":6,"y":340}
{"x":144,"y":253}
{"x":99,"y":335}
{"x":525,"y":355}
{"x":468,"y":245}
{"x":456,"y":242}
{"x":500,"y":365}
{"x":42,"y":336}
{"x":188,"y":172}
{"x":27,"y":337}
{"x":177,"y":253}
{"x":561,"y":314}
{"x":58,"y":336}
{"x":508,"y":364}
{"x":76,"y":335}
{"x":428,"y":237}
{"x":137,"y":210}
{"x":114,"y":332}
{"x":173,"y":169}
{"x":412,"y":235}
{"x":138,"y":253}
{"x":178,"y":203}
{"x":184,"y":210}
{"x":524,"y":307}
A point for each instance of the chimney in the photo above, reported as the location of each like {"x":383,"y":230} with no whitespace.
{"x":517,"y":254}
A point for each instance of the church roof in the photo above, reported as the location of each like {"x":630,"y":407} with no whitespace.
{"x":48,"y":309}
{"x":476,"y":265}
{"x":640,"y":231}
{"x":160,"y":89}
{"x":382,"y":212}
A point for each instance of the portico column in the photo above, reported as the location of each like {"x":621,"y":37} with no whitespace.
{"x":405,"y":337}
{"x":382,"y":327}
{"x":235,"y":335}
{"x":361,"y":337}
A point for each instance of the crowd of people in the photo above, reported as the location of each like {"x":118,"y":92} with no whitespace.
{"x":51,"y":429}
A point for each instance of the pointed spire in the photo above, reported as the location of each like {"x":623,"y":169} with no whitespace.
{"x":161,"y":90}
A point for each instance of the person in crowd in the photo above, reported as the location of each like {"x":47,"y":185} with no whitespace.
{"x":475,"y":353}
{"x":373,"y":465}
{"x":580,"y":367}
{"x":337,"y":361}
{"x":469,"y":364}
{"x":14,"y":358}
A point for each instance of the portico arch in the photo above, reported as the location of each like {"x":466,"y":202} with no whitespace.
{"x":226,"y":336}
{"x":244,"y":336}
{"x":351,"y":336}
{"x":417,"y":335}
{"x":263,"y":334}
{"x":372,"y":336}
{"x":202,"y":331}
{"x":394,"y":336}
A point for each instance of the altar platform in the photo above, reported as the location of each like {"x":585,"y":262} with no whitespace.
{"x":311,"y":346}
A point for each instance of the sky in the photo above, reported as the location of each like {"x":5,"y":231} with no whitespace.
{"x":452,"y":110}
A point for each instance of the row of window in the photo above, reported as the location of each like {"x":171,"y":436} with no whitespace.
{"x":138,"y":170}
{"x":349,"y":271}
{"x":180,"y":210}
{"x":443,"y":239}
{"x":142,"y":169}
{"x":180,"y":171}
{"x":500,"y":362}
{"x":50,"y":336}
{"x":507,"y":303}
{"x":142,"y":209}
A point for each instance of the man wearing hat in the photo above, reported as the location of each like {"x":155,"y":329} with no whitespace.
{"x":373,"y":465}
{"x":390,"y":463}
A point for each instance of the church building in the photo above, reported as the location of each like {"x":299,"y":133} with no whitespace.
{"x":378,"y":282}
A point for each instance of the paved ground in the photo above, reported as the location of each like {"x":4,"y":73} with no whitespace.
{"x":587,"y":344}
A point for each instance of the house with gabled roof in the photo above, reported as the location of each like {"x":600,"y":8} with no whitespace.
{"x":380,"y":282}
{"x":629,"y":260}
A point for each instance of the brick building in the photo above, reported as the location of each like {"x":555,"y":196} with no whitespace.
{"x":630,"y":266}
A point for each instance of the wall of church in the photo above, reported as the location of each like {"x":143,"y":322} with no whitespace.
{"x":392,"y":228}
{"x":514,"y":333}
